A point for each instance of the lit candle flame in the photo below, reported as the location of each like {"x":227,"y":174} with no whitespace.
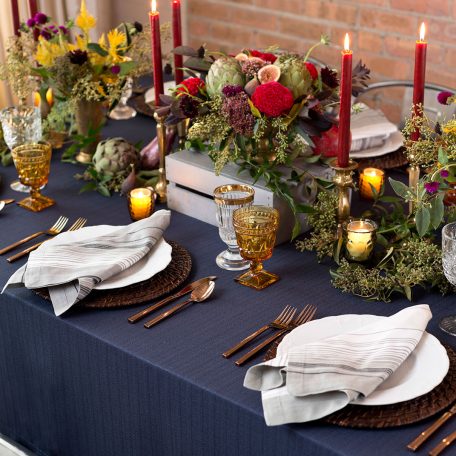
{"x":153,"y":6}
{"x":347,"y":42}
{"x":50,"y":97}
{"x":36,"y":100}
{"x":422,"y":31}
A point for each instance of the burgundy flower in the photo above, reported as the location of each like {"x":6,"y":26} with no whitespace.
{"x":444,"y":173}
{"x":237,"y":112}
{"x":40,"y":18}
{"x":442,"y":97}
{"x":31,"y":22}
{"x":329,"y":77}
{"x":273,"y":99}
{"x":432,"y":187}
{"x":252,"y":66}
{"x":78,"y":57}
{"x":115,"y":69}
{"x":189,"y":106}
{"x":138,"y":26}
{"x":63,"y":29}
{"x":46,"y":35}
{"x":232,"y":90}
{"x":267,"y":56}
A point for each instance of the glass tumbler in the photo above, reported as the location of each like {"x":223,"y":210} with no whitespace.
{"x":21,"y":125}
{"x":256,"y":229}
{"x":448,"y":324}
{"x":228,"y":198}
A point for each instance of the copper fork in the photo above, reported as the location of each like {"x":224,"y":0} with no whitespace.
{"x":58,"y":226}
{"x":79,"y":223}
{"x":306,"y":315}
{"x":278,"y":323}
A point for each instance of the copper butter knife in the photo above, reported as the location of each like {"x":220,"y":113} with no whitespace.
{"x":444,"y":443}
{"x":431,"y":429}
{"x":137,"y":316}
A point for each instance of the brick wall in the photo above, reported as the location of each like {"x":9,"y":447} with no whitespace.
{"x":383,"y":32}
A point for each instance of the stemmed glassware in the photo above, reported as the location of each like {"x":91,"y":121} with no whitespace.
{"x":21,"y":125}
{"x":448,"y":324}
{"x":228,"y":198}
{"x":256,"y":229}
{"x":122,"y":111}
{"x":33,"y":163}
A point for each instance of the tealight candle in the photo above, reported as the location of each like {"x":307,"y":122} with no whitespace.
{"x":360,"y":239}
{"x":141,"y":203}
{"x":368,"y":179}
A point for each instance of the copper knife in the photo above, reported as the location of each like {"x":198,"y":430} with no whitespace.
{"x":190,"y":287}
{"x":444,"y":443}
{"x":431,"y":429}
{"x":7,"y":201}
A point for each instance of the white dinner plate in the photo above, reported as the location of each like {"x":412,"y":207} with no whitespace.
{"x":149,"y":96}
{"x":393,"y":143}
{"x":422,"y":371}
{"x":155,"y":261}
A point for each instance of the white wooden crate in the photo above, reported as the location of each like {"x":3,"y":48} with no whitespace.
{"x":192,"y":182}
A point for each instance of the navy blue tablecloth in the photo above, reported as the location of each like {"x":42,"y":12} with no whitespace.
{"x":89,"y":383}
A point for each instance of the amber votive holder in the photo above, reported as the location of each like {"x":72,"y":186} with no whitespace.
{"x":370,"y":180}
{"x":360,"y":236}
{"x":141,"y":203}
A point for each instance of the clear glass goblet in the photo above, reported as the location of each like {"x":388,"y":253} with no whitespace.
{"x":256,"y":230}
{"x":228,"y":198}
{"x":122,"y":111}
{"x":448,"y":324}
{"x":21,"y":125}
{"x":33,"y":162}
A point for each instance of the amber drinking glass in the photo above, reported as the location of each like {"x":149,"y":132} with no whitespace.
{"x":228,"y":198}
{"x":256,"y":229}
{"x":33,"y":163}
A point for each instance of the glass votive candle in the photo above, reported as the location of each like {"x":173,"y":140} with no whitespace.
{"x":370,"y":177}
{"x":360,"y":237}
{"x":141,"y":203}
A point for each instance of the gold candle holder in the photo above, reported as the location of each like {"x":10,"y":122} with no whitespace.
{"x":414,"y":177}
{"x":160,"y":187}
{"x":141,"y":203}
{"x":369,"y":179}
{"x":360,"y":236}
{"x":182,"y":130}
{"x":343,"y":179}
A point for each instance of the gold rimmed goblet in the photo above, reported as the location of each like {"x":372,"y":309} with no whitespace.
{"x":33,"y":162}
{"x":256,"y":229}
{"x":228,"y":198}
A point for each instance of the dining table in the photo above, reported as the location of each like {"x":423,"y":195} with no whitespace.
{"x":90,"y":383}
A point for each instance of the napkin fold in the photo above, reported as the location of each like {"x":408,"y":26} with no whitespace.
{"x":72,"y":263}
{"x":313,"y":380}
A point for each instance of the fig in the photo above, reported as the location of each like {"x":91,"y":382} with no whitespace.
{"x":241,"y":57}
{"x":256,"y":60}
{"x":251,"y":86}
{"x":269,"y":73}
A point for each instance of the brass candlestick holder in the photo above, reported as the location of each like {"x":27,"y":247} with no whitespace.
{"x":160,"y":187}
{"x":344,"y":182}
{"x":414,"y":177}
{"x":182,"y":130}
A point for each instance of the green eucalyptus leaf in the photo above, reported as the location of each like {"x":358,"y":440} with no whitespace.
{"x":103,"y":190}
{"x":408,"y":292}
{"x":423,"y":220}
{"x":95,"y":47}
{"x":296,"y":229}
{"x":88,"y":187}
{"x":437,"y":211}
{"x":399,"y":188}
{"x":442,"y":156}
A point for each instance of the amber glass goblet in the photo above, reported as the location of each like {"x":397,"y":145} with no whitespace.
{"x":256,"y":229}
{"x":33,"y":163}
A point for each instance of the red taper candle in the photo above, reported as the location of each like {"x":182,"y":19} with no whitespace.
{"x":33,"y":7}
{"x":154,"y":18}
{"x":419,"y":78}
{"x":177,"y":41}
{"x":16,"y":20}
{"x":343,"y":146}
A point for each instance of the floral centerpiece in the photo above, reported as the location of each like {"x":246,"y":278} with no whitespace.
{"x":259,"y":110}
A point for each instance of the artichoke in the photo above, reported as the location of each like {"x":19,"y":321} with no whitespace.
{"x":294,"y":75}
{"x":114,"y":157}
{"x":224,"y":71}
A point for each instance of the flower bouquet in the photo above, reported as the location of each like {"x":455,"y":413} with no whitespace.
{"x":259,"y":110}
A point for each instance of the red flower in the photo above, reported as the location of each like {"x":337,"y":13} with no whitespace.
{"x":272,"y":99}
{"x":190,"y":86}
{"x":263,"y":55}
{"x":312,"y":70}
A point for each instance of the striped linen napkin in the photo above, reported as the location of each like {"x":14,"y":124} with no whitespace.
{"x":72,"y":263}
{"x":318,"y":378}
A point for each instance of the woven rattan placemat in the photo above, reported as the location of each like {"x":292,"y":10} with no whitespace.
{"x":160,"y":284}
